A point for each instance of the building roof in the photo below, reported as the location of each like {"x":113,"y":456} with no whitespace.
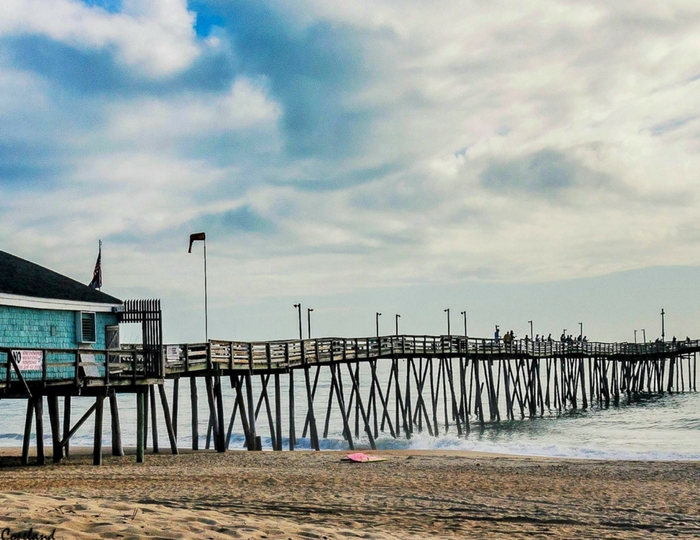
{"x":24,"y":278}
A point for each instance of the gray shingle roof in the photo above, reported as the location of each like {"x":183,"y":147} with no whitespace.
{"x":24,"y":278}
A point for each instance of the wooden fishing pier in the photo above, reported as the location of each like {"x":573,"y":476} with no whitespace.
{"x":388,"y":386}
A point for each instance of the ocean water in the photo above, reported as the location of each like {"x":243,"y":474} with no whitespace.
{"x":656,"y":428}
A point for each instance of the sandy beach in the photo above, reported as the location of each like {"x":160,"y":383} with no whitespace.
{"x":302,"y":495}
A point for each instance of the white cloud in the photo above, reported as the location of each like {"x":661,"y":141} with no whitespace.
{"x":154,"y":36}
{"x":246,"y":105}
{"x":450,"y":91}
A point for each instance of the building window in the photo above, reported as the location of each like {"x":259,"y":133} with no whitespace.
{"x":86,"y":327}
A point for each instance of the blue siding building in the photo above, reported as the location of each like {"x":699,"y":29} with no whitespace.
{"x":41,"y":310}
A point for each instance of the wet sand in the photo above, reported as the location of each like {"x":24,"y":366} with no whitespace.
{"x":302,"y":495}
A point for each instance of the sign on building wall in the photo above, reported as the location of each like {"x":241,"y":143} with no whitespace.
{"x":172,"y":353}
{"x":29,"y":360}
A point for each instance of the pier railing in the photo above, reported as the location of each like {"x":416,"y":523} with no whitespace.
{"x":83,"y":367}
{"x":285,"y":354}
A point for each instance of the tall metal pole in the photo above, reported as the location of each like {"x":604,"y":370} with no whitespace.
{"x":206,"y":295}
{"x":663,"y":325}
{"x":448,"y":321}
{"x":377,"y":321}
{"x":644,"y":335}
{"x":580,"y":329}
{"x":194,"y":238}
{"x":397,"y":323}
{"x":635,"y":336}
{"x":301,"y":335}
{"x":465,"y":322}
{"x":308,"y":320}
{"x":531,"y":335}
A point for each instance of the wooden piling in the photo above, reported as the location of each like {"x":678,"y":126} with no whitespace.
{"x":117,"y":448}
{"x":39,"y":420}
{"x":176,"y":399}
{"x":195,"y":413}
{"x":140,"y":424}
{"x":292,"y":428}
{"x":154,"y":418}
{"x":97,"y":446}
{"x":27,"y":431}
{"x":55,"y":428}
{"x":168,"y":421}
{"x":66,"y":423}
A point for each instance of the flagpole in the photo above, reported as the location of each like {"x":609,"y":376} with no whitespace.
{"x":194,"y":238}
{"x":206,"y":296}
{"x":100,"y":257}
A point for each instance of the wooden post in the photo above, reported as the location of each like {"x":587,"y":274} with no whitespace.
{"x":140,"y":424}
{"x":278,"y":414}
{"x":168,"y":422}
{"x":385,"y":411}
{"x":27,"y":431}
{"x":368,"y":427}
{"x":292,"y":429}
{"x":310,"y":415}
{"x":176,"y":399}
{"x":407,"y":395}
{"x":236,"y":382}
{"x":220,"y":412}
{"x":343,"y":413}
{"x":331,"y":390}
{"x":117,"y":449}
{"x":39,"y":413}
{"x":251,"y":411}
{"x":55,"y":428}
{"x":66,"y":423}
{"x":154,"y":418}
{"x":97,"y":447}
{"x":195,"y":413}
{"x":213,"y":421}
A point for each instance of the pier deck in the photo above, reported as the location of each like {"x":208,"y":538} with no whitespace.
{"x":408,"y":384}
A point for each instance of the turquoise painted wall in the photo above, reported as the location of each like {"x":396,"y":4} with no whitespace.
{"x":29,"y":328}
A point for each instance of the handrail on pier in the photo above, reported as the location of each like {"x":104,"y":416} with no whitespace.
{"x":286,"y":354}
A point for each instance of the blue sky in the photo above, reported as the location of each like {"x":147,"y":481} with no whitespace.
{"x":520,"y":160}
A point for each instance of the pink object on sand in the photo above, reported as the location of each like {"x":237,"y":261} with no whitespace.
{"x":359,"y":457}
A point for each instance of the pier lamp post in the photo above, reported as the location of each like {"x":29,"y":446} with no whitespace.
{"x":531,"y":331}
{"x":464,"y":313}
{"x":448,"y":321}
{"x":298,"y":306}
{"x":308,"y":320}
{"x":644,"y":335}
{"x":377,"y":321}
{"x":580,"y":329}
{"x":397,"y":323}
{"x":635,"y":336}
{"x":663,"y":325}
{"x":203,"y":237}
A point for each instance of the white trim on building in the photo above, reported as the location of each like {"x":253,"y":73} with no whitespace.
{"x":15,"y":300}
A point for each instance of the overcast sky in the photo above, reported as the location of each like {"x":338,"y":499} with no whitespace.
{"x":531,"y":160}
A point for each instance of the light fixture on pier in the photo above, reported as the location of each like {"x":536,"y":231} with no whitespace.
{"x":308,"y":320}
{"x":377,"y":321}
{"x":464,"y":313}
{"x":397,"y":323}
{"x":298,"y":306}
{"x":663,"y":325}
{"x":194,"y":238}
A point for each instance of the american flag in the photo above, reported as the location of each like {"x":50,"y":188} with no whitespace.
{"x":96,"y":282}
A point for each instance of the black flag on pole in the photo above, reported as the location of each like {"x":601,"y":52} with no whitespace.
{"x":194,"y":237}
{"x":96,"y":282}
